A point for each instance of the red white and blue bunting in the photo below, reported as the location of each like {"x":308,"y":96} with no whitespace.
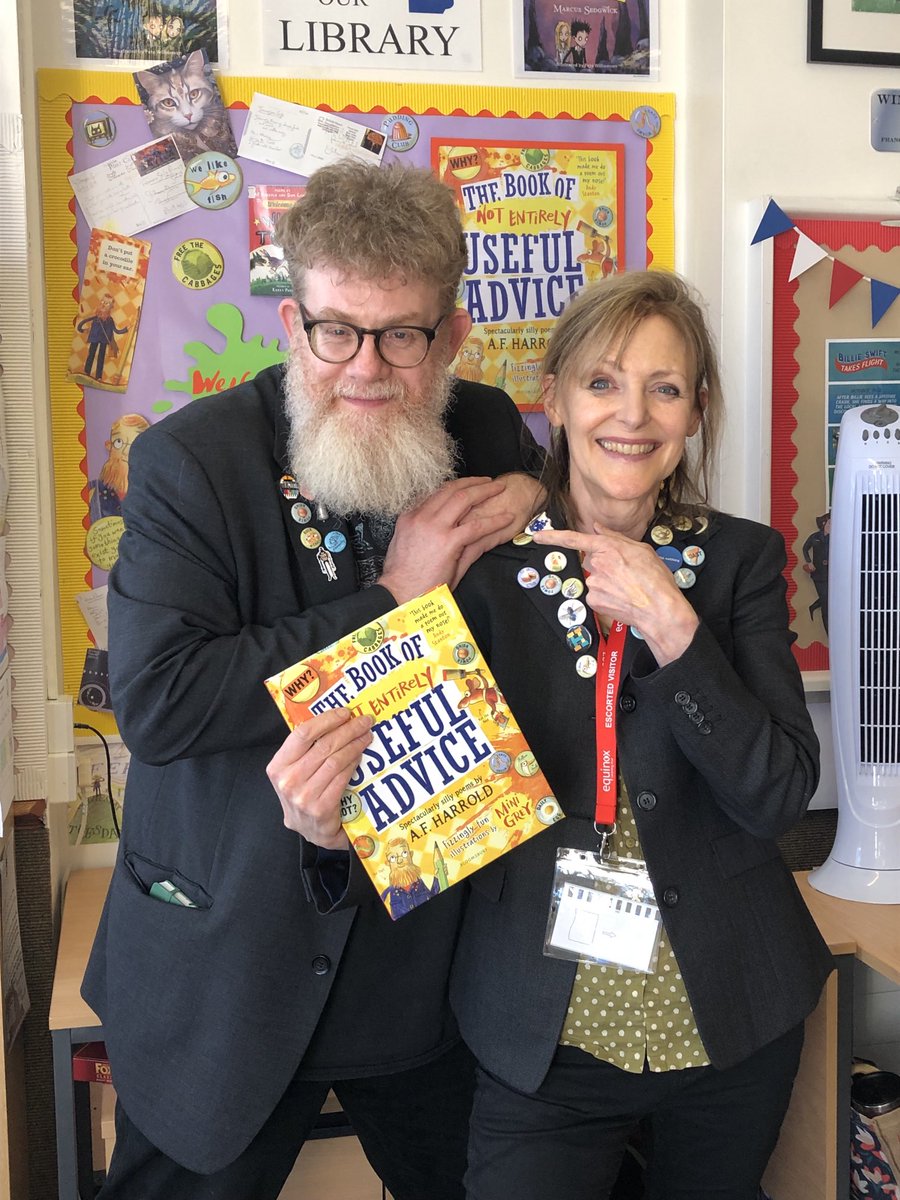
{"x":808,"y":253}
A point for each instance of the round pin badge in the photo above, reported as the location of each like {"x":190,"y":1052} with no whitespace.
{"x":555,"y":561}
{"x":694,"y":556}
{"x":311,"y":538}
{"x":550,"y":585}
{"x":661,"y":535}
{"x":541,"y":521}
{"x":637,"y":633}
{"x":572,"y":588}
{"x":683,"y":523}
{"x":301,"y":512}
{"x":571,"y":613}
{"x":670,"y":555}
{"x":213,"y":180}
{"x":401,"y":131}
{"x":99,"y":129}
{"x":351,"y":807}
{"x":685,"y":578}
{"x":578,"y":638}
{"x":603,"y":216}
{"x":700,"y":524}
{"x":197,"y":264}
{"x":289,"y":488}
{"x":526,"y":764}
{"x":499,"y":762}
{"x":464,"y":654}
{"x":335,"y":541}
{"x":645,"y":121}
{"x":528,"y":577}
{"x":586,"y":666}
{"x":547,"y":810}
{"x":522,"y":539}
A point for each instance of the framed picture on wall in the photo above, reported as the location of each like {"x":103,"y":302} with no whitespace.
{"x":854,"y":32}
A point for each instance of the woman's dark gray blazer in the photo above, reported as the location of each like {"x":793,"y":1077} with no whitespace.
{"x":719,"y":757}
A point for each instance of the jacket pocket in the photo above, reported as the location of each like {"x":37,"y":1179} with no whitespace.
{"x":146,"y":873}
{"x":739,"y":851}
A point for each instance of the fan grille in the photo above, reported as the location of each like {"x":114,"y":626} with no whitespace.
{"x":879,"y":629}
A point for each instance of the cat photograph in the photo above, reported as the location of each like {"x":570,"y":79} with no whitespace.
{"x":182,"y":98}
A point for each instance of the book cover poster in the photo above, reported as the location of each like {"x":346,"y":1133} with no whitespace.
{"x":448,"y":783}
{"x":541,"y":220}
{"x":109,"y":309}
{"x":607,"y":37}
{"x":268,"y":270}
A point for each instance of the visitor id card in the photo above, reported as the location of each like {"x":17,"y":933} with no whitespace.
{"x":603,"y":911}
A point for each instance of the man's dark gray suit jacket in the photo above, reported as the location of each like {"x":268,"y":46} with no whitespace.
{"x":719,"y":758}
{"x":208,"y":1011}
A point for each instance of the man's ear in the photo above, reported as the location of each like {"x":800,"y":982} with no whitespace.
{"x":459,"y":326}
{"x":548,"y":397}
{"x":288,"y":310}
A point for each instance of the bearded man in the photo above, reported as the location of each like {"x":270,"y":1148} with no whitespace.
{"x":261,"y":525}
{"x":110,"y":486}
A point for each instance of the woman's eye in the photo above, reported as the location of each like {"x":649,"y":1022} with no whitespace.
{"x":669,"y":389}
{"x":600,"y":385}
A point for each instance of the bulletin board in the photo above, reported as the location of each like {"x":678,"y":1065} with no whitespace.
{"x":194,"y":341}
{"x":827,"y":355}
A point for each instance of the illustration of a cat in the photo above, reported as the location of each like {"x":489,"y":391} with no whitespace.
{"x":182,"y":100}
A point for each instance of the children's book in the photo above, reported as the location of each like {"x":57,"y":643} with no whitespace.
{"x":268,"y":269}
{"x":448,"y":783}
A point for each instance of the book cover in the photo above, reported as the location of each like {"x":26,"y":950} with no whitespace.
{"x":268,"y":270}
{"x":448,"y":783}
{"x":109,"y":310}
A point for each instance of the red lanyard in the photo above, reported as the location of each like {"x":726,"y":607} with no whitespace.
{"x":608,"y":678}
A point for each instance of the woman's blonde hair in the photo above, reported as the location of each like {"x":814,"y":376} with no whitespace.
{"x":605,"y":315}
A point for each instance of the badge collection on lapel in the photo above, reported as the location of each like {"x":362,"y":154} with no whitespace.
{"x":675,"y":539}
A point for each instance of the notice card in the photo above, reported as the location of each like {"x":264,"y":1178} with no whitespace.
{"x":135,"y":190}
{"x":301,"y":140}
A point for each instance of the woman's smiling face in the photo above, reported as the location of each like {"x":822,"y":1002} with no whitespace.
{"x":627,"y":415}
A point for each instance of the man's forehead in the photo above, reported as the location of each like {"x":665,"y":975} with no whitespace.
{"x":343,"y":292}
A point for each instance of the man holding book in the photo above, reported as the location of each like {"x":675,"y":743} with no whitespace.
{"x":262,"y":525}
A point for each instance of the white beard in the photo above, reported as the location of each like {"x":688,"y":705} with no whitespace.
{"x":385,"y":461}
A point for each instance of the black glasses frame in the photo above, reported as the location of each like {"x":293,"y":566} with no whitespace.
{"x":309,"y":324}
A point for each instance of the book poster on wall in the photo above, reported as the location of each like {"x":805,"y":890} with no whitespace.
{"x":549,"y":201}
{"x":617,"y":39}
{"x":145,"y":30}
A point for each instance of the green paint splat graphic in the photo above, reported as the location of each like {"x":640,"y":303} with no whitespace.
{"x":216,"y":371}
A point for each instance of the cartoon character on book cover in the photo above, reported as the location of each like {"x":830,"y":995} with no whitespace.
{"x":109,"y":309}
{"x":448,"y":783}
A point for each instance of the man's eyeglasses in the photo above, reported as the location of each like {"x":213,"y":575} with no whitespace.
{"x":398,"y":345}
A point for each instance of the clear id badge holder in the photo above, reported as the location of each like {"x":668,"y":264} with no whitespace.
{"x":603,"y":910}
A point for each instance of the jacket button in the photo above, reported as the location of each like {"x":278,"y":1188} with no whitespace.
{"x":690,"y":708}
{"x":646,"y":801}
{"x":697,"y":717}
{"x":704,"y":728}
{"x":321,"y":964}
{"x":627,"y":703}
{"x":682,"y":697}
{"x":670,"y":897}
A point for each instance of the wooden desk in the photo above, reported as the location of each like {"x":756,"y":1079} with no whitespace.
{"x":811,"y":1158}
{"x":816,"y":1132}
{"x":72,"y":1023}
